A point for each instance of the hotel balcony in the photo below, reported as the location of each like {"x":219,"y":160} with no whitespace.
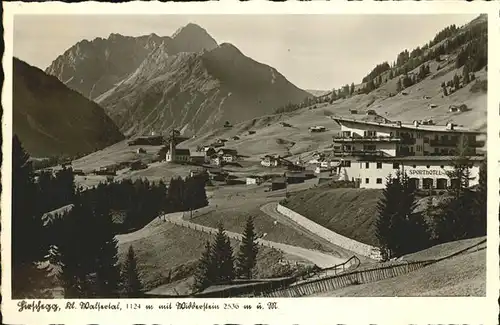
{"x":360,"y":153}
{"x":455,"y":143}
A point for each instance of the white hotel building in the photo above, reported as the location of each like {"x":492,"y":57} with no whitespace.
{"x":370,"y":151}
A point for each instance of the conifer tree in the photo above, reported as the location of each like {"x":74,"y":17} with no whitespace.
{"x":480,"y":210}
{"x":398,"y":229}
{"x":132,"y":285}
{"x":384,"y":223}
{"x":466,"y":74}
{"x":28,"y":245}
{"x":222,"y":257}
{"x":399,"y":87}
{"x":106,"y":251}
{"x":351,"y":92}
{"x":456,"y":222}
{"x":205,"y":272}
{"x":247,"y":255}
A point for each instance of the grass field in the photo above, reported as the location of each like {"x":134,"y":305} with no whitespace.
{"x":462,"y":275}
{"x":234,"y":219}
{"x":347,"y":211}
{"x":165,"y":250}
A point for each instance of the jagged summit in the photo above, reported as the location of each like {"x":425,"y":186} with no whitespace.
{"x":193,"y":38}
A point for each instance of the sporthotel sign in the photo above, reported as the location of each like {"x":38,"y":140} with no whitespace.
{"x":423,"y":172}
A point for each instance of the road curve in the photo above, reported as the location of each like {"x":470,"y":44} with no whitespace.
{"x":319,"y":258}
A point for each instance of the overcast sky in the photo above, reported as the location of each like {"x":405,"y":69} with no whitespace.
{"x":312,"y":51}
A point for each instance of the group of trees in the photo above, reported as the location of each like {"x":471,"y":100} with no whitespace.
{"x":187,"y":194}
{"x":217,"y":263}
{"x":290,"y":107}
{"x":400,"y":230}
{"x":81,"y":240}
{"x":474,"y":55}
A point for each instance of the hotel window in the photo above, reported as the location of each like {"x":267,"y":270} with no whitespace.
{"x":419,"y":135}
{"x":426,"y":140}
{"x":367,"y":165}
{"x":419,"y":148}
{"x":370,"y":133}
{"x":379,"y":165}
{"x":367,"y":180}
{"x":346,"y":163}
{"x":369,"y":147}
{"x":395,"y":165}
{"x":379,"y":180}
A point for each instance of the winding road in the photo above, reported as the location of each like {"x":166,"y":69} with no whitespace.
{"x":321,"y":259}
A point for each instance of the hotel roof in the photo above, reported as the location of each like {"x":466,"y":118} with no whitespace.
{"x":428,"y":158}
{"x":407,"y":126}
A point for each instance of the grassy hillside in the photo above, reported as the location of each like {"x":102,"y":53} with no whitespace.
{"x":347,"y":211}
{"x":234,"y":220}
{"x":52,"y":120}
{"x":164,"y":249}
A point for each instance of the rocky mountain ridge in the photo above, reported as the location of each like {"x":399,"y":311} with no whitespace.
{"x":185,"y":81}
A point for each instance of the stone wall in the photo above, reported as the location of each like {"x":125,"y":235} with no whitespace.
{"x":331,"y":236}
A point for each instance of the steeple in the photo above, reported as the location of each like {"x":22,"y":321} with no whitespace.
{"x":172,"y":146}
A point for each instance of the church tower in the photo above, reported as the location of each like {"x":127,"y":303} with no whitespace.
{"x":172,"y":146}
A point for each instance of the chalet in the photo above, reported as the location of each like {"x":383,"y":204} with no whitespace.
{"x":140,"y":150}
{"x":353,"y":111}
{"x":235,"y":137}
{"x":217,"y":144}
{"x":78,"y":172}
{"x":216,"y":160}
{"x":221,"y":141}
{"x":432,"y":106}
{"x":137,"y":165}
{"x":371,"y":112}
{"x":295,"y":177}
{"x":250,"y":132}
{"x":317,"y":128}
{"x":198,"y":157}
{"x":217,"y":174}
{"x":254,"y":180}
{"x":269,"y":161}
{"x":457,"y":108}
{"x":208,"y":151}
{"x":197,"y":172}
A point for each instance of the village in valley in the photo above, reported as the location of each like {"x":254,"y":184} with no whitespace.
{"x":374,"y":189}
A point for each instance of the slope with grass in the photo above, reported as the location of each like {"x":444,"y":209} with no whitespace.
{"x":166,"y":252}
{"x":347,"y":211}
{"x":52,"y":120}
{"x":462,"y":275}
